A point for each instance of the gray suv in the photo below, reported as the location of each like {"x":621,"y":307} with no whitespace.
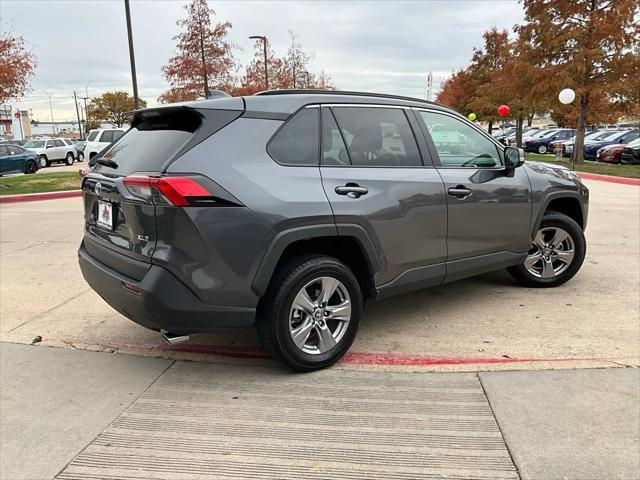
{"x":289,"y":210}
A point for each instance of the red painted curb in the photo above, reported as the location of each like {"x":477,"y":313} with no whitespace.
{"x":33,"y":197}
{"x":360,"y":358}
{"x":609,"y":178}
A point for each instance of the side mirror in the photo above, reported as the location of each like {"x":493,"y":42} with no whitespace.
{"x":513,"y":158}
{"x":49,"y":146}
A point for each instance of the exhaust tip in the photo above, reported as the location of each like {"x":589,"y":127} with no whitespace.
{"x":172,"y":339}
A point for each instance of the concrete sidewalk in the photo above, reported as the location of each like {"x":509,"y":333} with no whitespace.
{"x":85,"y":415}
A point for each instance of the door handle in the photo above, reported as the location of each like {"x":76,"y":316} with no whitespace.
{"x":352,"y":190}
{"x":459,"y":192}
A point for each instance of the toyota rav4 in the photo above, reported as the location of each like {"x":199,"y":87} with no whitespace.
{"x":289,"y":210}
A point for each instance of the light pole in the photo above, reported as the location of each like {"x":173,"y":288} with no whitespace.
{"x":86,"y":112}
{"x":264,"y":44}
{"x":53,"y":125}
{"x":132,"y":57}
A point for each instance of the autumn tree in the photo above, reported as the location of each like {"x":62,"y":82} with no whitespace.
{"x":204,"y":60}
{"x":588,"y":45}
{"x":112,"y":107}
{"x":291,"y":71}
{"x":17,"y":65}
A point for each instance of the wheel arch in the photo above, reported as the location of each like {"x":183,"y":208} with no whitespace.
{"x":353,"y":246}
{"x":565,"y":202}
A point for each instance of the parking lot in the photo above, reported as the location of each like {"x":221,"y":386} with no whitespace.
{"x":483,"y":323}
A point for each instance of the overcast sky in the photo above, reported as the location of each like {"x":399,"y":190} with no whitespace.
{"x":381,"y":46}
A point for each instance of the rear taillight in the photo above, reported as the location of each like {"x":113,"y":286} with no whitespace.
{"x":176,"y":191}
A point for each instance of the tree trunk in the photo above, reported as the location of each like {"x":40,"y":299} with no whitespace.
{"x":490,"y":127}
{"x":530,"y":119}
{"x":519,"y":125}
{"x":578,"y":147}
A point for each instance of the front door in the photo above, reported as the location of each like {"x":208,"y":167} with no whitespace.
{"x":489,"y":213}
{"x":374,"y":177}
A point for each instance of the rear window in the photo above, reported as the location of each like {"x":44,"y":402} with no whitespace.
{"x":297,"y":142}
{"x":92,"y":136}
{"x":149,"y":144}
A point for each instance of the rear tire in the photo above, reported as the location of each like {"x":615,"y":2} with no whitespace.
{"x":556,"y":254}
{"x":30,"y":168}
{"x":69,"y":159}
{"x":323,"y":327}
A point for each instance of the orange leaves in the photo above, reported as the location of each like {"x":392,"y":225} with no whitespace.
{"x":16,"y":67}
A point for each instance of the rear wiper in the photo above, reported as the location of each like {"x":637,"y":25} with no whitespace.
{"x":107,"y":163}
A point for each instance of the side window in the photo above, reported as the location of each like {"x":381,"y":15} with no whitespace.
{"x":3,"y":151}
{"x":459,"y":144}
{"x":92,"y":136}
{"x":51,"y":143}
{"x":334,"y":150}
{"x":117,"y":134}
{"x":59,"y":143}
{"x":296,"y":143}
{"x":630,"y":137}
{"x":107,"y":136}
{"x":378,"y":137}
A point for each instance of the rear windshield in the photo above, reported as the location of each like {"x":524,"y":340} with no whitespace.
{"x":149,"y":144}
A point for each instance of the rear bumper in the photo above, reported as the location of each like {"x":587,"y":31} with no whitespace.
{"x":163,"y":302}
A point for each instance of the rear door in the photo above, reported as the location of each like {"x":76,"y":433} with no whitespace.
{"x":374,"y":177}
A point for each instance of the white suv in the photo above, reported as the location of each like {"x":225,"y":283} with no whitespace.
{"x":99,"y":139}
{"x":53,"y":150}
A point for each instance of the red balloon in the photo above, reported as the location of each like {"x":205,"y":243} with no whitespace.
{"x":503,"y":110}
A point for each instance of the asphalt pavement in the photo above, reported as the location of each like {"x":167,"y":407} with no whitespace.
{"x":487,"y":322}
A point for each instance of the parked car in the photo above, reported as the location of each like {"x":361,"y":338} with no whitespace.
{"x":631,"y":153}
{"x":99,"y":139}
{"x":544,"y":143}
{"x":54,"y":150}
{"x":526,"y":133}
{"x":567,"y":146}
{"x":15,"y":159}
{"x":290,"y":210}
{"x":621,"y":137}
{"x":610,"y":153}
{"x":80,"y":145}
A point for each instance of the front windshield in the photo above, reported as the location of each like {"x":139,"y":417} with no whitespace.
{"x":34,"y":144}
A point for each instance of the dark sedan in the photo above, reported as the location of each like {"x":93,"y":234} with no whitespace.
{"x":631,"y":153}
{"x":621,"y":137}
{"x":15,"y":159}
{"x":543,"y":144}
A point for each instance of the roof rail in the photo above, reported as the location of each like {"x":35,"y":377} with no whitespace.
{"x":341,"y":92}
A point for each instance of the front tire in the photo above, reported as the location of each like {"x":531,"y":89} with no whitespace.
{"x":44,"y":162}
{"x":556,"y":255}
{"x":542,"y":149}
{"x":310,"y":314}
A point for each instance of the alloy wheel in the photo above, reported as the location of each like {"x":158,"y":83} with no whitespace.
{"x":551,"y":254}
{"x":320,"y":315}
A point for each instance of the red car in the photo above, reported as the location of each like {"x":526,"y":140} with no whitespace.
{"x":610,"y":153}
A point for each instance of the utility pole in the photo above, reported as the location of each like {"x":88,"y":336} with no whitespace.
{"x":75,"y":100}
{"x":53,"y":125}
{"x":132,"y":57}
{"x":266,"y":70}
{"x":86,"y":112}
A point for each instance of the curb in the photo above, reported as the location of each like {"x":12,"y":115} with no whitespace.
{"x":609,"y":178}
{"x":34,"y":197}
